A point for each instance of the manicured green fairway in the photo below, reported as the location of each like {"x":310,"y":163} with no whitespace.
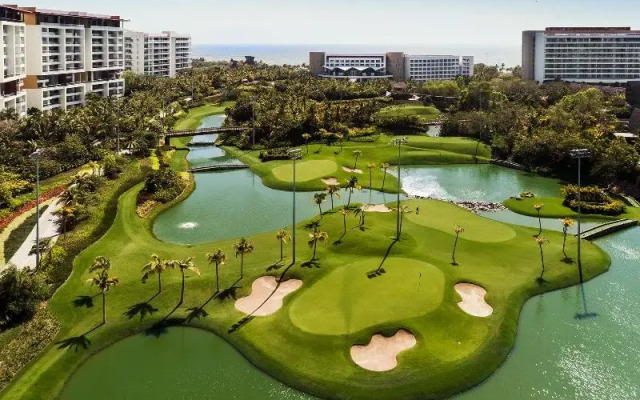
{"x":344,"y":302}
{"x":454,"y":350}
{"x":195,"y":115}
{"x":306,"y":170}
{"x":422,"y":112}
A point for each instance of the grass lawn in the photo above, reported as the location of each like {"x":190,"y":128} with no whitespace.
{"x":192,"y":119}
{"x":553,"y":208}
{"x":421,"y":150}
{"x":425,"y":114}
{"x":306,"y":344}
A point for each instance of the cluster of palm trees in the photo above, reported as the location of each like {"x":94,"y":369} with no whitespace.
{"x":157,"y":266}
{"x":541,"y":240}
{"x":73,"y":201}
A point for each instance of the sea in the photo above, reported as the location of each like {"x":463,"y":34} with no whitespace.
{"x":296,"y":54}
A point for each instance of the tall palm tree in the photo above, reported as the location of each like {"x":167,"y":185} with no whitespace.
{"x":344,"y":212}
{"x":331,"y":191}
{"x":566,"y":224}
{"x":306,"y":138}
{"x":541,"y":240}
{"x":283,"y":237}
{"x":184,"y":265}
{"x":100,"y":264}
{"x":371,"y":167}
{"x":385,"y":167}
{"x":242,"y":247}
{"x":320,"y":198}
{"x":218,"y":258}
{"x":155,"y":266}
{"x":352,"y":184}
{"x":314,"y":238}
{"x":403,"y":210}
{"x":538,"y":208}
{"x":458,"y":230}
{"x":66,"y":214}
{"x":104,"y":282}
{"x":356,"y":154}
{"x":340,"y":138}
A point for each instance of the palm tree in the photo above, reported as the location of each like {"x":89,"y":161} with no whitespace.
{"x":306,"y":138}
{"x":314,"y":238}
{"x":458,"y":230}
{"x":538,"y":208}
{"x":282,"y":237}
{"x":66,"y":214}
{"x":100,"y":264}
{"x":566,"y":224}
{"x":403,"y":210}
{"x":104,"y":282}
{"x":371,"y":167}
{"x":352,"y":184}
{"x":360,"y":212}
{"x":218,"y":258}
{"x":333,"y":190}
{"x":385,"y":167}
{"x":155,"y":266}
{"x":320,"y":198}
{"x":345,"y":212}
{"x":184,"y":265}
{"x":541,"y":240}
{"x":242,"y":247}
{"x":356,"y":154}
{"x":339,"y":138}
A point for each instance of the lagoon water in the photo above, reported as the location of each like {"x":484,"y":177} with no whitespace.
{"x":579,"y":342}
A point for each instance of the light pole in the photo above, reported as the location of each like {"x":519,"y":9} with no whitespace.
{"x":294,"y":154}
{"x":399,"y":142}
{"x":36,"y":155}
{"x":579,"y":154}
{"x":253,"y":120}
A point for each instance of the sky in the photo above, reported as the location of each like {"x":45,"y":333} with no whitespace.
{"x":439,"y":22}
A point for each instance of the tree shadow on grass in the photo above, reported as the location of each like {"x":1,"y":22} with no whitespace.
{"x":378,"y":272}
{"x":311,"y":264}
{"x":77,"y":342}
{"x":161,"y":328}
{"x":143,"y":309}
{"x":83,"y":301}
{"x":275,"y":267}
{"x":568,"y":260}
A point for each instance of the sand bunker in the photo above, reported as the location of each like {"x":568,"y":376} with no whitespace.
{"x":261,"y":290}
{"x":381,"y":353}
{"x":330,"y":181}
{"x":381,"y":208}
{"x":351,"y":170}
{"x":473,"y":302}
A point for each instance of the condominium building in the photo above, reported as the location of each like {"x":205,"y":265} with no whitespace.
{"x":164,"y":54}
{"x":71,"y":54}
{"x":12,"y":93}
{"x":591,"y":55}
{"x":393,"y":65}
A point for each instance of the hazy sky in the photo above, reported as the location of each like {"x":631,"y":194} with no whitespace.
{"x":477,"y":22}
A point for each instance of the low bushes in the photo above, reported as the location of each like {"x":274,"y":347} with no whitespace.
{"x":274,"y":154}
{"x":162,"y":186}
{"x":20,"y":293}
{"x":593,"y":200}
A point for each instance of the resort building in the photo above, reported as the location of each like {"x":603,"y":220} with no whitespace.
{"x":164,"y":54}
{"x":590,"y":55}
{"x":71,"y":54}
{"x":394,"y":65}
{"x":12,"y":95}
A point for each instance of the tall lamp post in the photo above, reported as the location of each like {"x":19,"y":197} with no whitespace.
{"x":579,"y":154}
{"x":36,"y":155}
{"x":294,"y":154}
{"x":399,"y":142}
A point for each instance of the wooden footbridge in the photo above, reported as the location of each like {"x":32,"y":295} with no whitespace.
{"x":219,"y":167}
{"x":202,"y":131}
{"x":608,"y":228}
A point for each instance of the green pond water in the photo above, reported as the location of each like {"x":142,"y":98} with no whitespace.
{"x":577,"y":343}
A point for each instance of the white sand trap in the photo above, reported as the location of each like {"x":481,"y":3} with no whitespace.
{"x":330,"y":181}
{"x":261,"y":290}
{"x":473,"y":302}
{"x":353,"y":171}
{"x":381,"y":208}
{"x":381,"y":353}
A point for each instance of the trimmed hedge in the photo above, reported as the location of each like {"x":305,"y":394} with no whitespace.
{"x":593,"y":200}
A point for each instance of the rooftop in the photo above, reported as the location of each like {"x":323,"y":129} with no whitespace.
{"x":73,"y":14}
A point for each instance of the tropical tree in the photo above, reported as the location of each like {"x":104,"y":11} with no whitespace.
{"x":314,"y":238}
{"x":306,"y":138}
{"x":344,"y":212}
{"x":218,"y":258}
{"x":339,"y":138}
{"x":155,"y":266}
{"x":356,"y":154}
{"x":566,"y":224}
{"x":385,"y":167}
{"x":184,"y":265}
{"x":538,"y":208}
{"x":66,"y":215}
{"x":104,"y":282}
{"x":242,"y":247}
{"x":361,"y":213}
{"x":403,"y":210}
{"x":352,"y":184}
{"x":320,"y":198}
{"x":541,"y":240}
{"x":371,"y":167}
{"x":283,"y":237}
{"x":331,"y":191}
{"x":458,"y":230}
{"x":100,"y":264}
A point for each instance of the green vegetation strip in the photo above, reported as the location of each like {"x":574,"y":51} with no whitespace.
{"x":554,"y":208}
{"x":415,"y":292}
{"x":193,"y":119}
{"x":425,"y":114}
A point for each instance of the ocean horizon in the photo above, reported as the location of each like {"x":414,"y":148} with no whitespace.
{"x":295,"y":54}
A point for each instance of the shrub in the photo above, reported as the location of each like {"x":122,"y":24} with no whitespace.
{"x":20,"y":293}
{"x":112,"y":166}
{"x":162,"y":185}
{"x":274,"y":154}
{"x":593,"y":200}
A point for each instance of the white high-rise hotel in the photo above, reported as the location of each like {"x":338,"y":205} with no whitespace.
{"x":163,"y":54}
{"x":13,"y":95}
{"x":596,"y":55}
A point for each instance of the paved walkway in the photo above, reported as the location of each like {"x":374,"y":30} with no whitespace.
{"x":48,"y":229}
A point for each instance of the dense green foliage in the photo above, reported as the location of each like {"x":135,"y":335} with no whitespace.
{"x":593,"y":200}
{"x":20,"y":293}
